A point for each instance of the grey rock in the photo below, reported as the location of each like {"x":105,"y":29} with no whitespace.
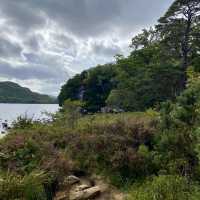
{"x":86,"y":194}
{"x":70,"y":180}
{"x":82,"y":187}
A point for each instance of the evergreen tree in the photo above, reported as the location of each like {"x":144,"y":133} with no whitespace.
{"x":179,"y":30}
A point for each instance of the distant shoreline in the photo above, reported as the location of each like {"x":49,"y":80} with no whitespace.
{"x":30,"y":103}
{"x":13,"y":93}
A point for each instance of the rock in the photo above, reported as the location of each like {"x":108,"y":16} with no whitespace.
{"x":119,"y":196}
{"x":86,"y":194}
{"x":81,"y":187}
{"x":61,"y":196}
{"x":70,"y":180}
{"x":64,"y":197}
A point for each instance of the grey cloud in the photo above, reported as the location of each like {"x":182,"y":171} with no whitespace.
{"x":64,"y":43}
{"x":77,"y":16}
{"x":32,"y":58}
{"x":51,"y":88}
{"x":39,"y":72}
{"x":94,"y":17}
{"x":50,"y":36}
{"x":107,"y":51}
{"x":21,"y":15}
{"x":84,"y":17}
{"x":9,"y":49}
{"x":32,"y":43}
{"x":44,"y":59}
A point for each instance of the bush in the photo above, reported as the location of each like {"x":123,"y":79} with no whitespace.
{"x":165,"y":188}
{"x":29,"y":187}
{"x":118,"y":146}
{"x":23,"y":122}
{"x":71,"y":113}
{"x":110,"y":144}
{"x":178,"y":136}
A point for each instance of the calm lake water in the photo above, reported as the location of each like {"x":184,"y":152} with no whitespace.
{"x":10,"y":112}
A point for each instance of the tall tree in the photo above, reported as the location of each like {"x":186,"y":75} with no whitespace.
{"x":178,"y":29}
{"x":145,"y":39}
{"x":144,"y":79}
{"x":92,"y":87}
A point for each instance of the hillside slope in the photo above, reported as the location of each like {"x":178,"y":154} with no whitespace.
{"x":13,"y":93}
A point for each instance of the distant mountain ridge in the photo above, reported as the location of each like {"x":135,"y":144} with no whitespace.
{"x":11,"y":92}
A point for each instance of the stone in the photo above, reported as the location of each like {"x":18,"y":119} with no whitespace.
{"x":81,"y":187}
{"x":61,"y":196}
{"x":86,"y":194}
{"x":71,"y":180}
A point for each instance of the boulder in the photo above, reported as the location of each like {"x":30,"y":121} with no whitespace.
{"x":81,"y":187}
{"x":61,"y":196}
{"x":85,"y":194}
{"x":71,"y":180}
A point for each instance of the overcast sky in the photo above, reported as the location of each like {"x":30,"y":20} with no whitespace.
{"x":44,"y":42}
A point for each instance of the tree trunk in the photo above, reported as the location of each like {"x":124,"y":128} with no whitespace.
{"x":186,"y":50}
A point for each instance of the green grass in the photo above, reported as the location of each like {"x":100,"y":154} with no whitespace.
{"x":28,"y":187}
{"x":165,"y":187}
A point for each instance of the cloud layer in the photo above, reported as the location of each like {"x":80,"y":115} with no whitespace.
{"x":43,"y":43}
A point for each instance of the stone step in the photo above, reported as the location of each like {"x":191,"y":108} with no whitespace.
{"x":85,"y":194}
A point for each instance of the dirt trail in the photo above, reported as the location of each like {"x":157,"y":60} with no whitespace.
{"x":85,"y":188}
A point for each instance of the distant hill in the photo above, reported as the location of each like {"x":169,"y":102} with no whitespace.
{"x":13,"y":93}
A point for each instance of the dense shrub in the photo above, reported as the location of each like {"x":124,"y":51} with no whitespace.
{"x":125,"y":148}
{"x":102,"y":143}
{"x":29,"y":187}
{"x":178,"y":137}
{"x":22,"y":122}
{"x":165,"y":188}
{"x":113,"y":145}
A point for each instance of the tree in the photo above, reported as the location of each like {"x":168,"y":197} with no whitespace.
{"x":178,"y":30}
{"x":71,"y":89}
{"x":145,"y":39}
{"x":92,"y":87}
{"x":98,"y":84}
{"x":144,"y":80}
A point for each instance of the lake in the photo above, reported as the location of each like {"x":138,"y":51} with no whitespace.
{"x":10,"y":112}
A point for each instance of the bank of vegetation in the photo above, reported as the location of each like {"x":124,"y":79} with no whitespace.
{"x":151,"y":151}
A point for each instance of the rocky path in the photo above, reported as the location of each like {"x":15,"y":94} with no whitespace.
{"x":75,"y":188}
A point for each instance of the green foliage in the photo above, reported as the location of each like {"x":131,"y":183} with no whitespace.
{"x":178,"y":28}
{"x":160,"y":146}
{"x":185,"y":111}
{"x":145,"y":80}
{"x":72,"y":112}
{"x":135,"y":83}
{"x":145,"y":39}
{"x":22,"y":122}
{"x":165,"y":188}
{"x":33,"y":186}
{"x":154,"y":72}
{"x":92,"y":87}
{"x":29,"y":187}
{"x":178,"y":137}
{"x":106,"y":144}
{"x":71,"y":89}
{"x":126,"y":148}
{"x":120,"y":98}
{"x":109,"y":145}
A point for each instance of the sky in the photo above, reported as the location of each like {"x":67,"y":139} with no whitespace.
{"x":45,"y":42}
